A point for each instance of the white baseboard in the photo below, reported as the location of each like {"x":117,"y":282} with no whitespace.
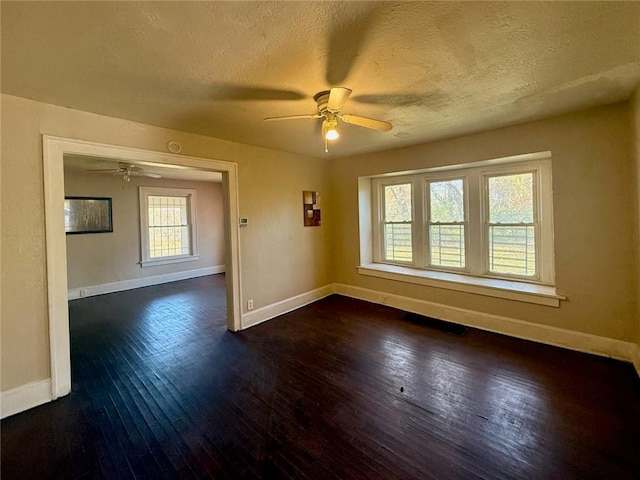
{"x":25,"y":397}
{"x":268,"y":312}
{"x":559,"y":337}
{"x":92,"y":290}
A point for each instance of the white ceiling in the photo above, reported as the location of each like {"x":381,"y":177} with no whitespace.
{"x":434,"y":70}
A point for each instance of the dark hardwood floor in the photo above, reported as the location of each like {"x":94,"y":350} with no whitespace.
{"x":338,"y":389}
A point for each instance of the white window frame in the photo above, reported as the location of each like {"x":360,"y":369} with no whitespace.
{"x":543,"y":233}
{"x":379,"y":238}
{"x":426,"y":188}
{"x":190,"y":195}
{"x":475,"y":277}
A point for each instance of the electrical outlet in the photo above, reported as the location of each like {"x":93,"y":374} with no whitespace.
{"x":83,"y":292}
{"x":250,"y":304}
{"x":384,"y":299}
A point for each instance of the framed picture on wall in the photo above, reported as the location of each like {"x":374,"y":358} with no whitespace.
{"x":311,"y":208}
{"x":87,"y":215}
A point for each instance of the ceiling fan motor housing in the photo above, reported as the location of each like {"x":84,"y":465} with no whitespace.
{"x":322,"y":99}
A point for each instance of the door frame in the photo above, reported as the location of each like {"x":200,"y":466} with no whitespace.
{"x":53,"y":151}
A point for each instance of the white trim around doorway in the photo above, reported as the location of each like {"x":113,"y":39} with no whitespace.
{"x":54,"y":149}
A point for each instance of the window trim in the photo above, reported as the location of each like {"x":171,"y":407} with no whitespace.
{"x":486,"y":286}
{"x":426,"y":200}
{"x":541,"y":290}
{"x":191,"y":195}
{"x":381,"y":221}
{"x":538,"y":276}
{"x":543,"y":216}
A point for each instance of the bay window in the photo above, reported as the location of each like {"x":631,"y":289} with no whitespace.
{"x":488,"y":220}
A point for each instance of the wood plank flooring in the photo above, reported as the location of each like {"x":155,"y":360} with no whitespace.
{"x":338,"y":389}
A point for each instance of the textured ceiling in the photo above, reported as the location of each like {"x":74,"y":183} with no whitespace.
{"x":434,"y":70}
{"x":91,"y":164}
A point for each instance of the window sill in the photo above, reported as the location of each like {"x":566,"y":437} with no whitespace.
{"x":491,"y":287}
{"x":168,"y":260}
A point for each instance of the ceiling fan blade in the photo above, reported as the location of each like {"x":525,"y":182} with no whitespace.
{"x":104,"y":170}
{"x":144,"y":174}
{"x":337,"y":98}
{"x":293,"y":117}
{"x":366,"y":122}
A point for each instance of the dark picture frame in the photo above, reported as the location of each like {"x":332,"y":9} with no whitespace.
{"x":87,"y":215}
{"x":311,"y":208}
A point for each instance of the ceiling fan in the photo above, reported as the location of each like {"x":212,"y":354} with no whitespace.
{"x":126,"y":171}
{"x":329,"y":106}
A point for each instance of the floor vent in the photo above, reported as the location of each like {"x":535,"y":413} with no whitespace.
{"x":447,"y":327}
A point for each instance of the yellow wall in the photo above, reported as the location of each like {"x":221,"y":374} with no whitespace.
{"x":280,"y":258}
{"x":594,"y":205}
{"x":635,"y":121}
{"x":100,"y":258}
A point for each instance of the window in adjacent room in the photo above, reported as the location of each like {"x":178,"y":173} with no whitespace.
{"x":167,"y":225}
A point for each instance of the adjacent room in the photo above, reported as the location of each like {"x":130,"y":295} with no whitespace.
{"x":320,"y":240}
{"x":180,"y":211}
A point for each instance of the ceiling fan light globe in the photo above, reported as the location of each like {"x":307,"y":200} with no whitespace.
{"x":332,"y":134}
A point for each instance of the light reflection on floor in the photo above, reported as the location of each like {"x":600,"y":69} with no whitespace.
{"x":168,"y":328}
{"x":514,"y":410}
{"x":509,"y":409}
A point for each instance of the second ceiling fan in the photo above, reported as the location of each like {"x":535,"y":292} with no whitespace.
{"x":329,"y":106}
{"x":126,"y":171}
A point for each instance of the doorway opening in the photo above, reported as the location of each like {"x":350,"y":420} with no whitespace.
{"x":54,"y":151}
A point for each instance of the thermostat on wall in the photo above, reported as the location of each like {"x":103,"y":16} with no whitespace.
{"x":244,"y":222}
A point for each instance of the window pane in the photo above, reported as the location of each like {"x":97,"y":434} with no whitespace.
{"x":183,"y":211}
{"x":397,"y":203}
{"x":397,"y":242}
{"x":447,"y":245}
{"x":169,"y":229}
{"x":447,"y":201}
{"x":185,"y":240}
{"x":511,"y":199}
{"x":512,"y":250}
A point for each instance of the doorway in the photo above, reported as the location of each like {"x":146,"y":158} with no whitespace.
{"x":54,"y":151}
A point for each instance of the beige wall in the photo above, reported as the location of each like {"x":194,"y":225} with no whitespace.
{"x":280,"y":258}
{"x":594,"y":205}
{"x":95,"y":259}
{"x":635,"y":121}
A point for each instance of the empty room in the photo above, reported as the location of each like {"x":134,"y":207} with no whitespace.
{"x":315,"y":240}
